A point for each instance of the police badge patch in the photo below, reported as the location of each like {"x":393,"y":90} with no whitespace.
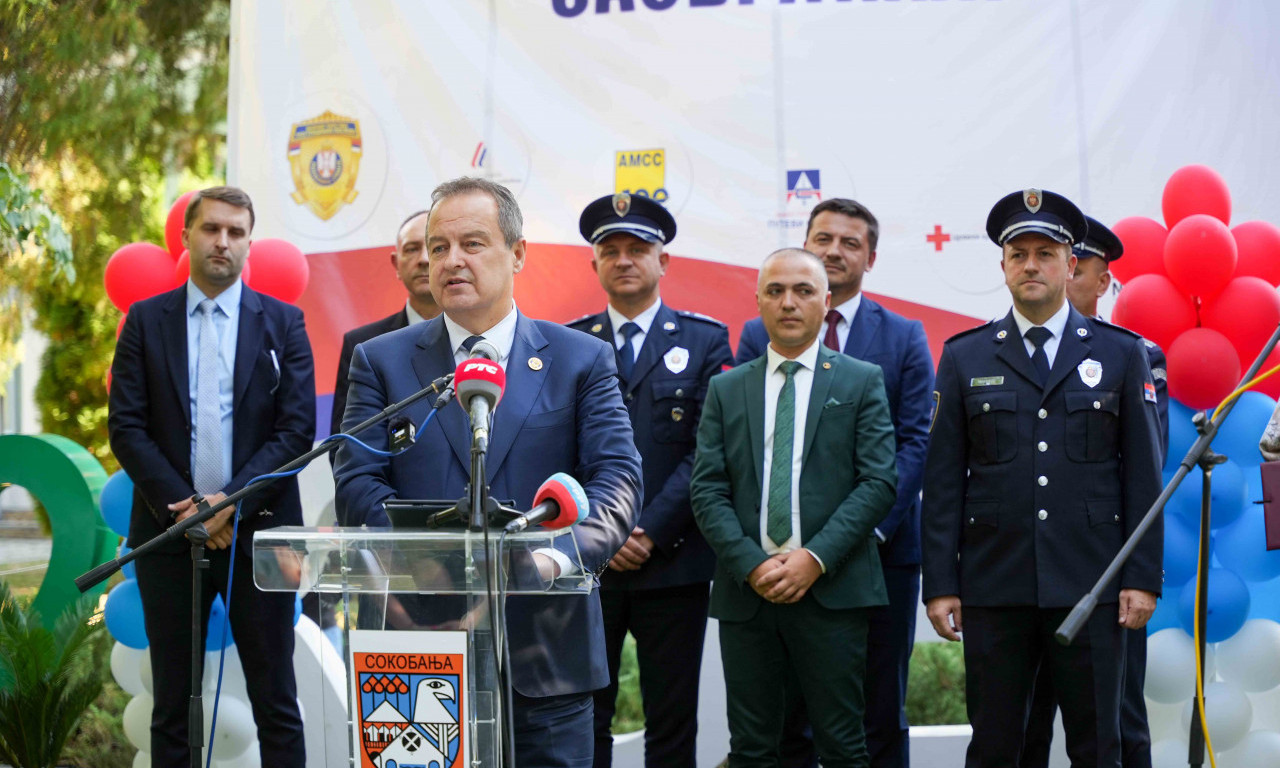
{"x":1090,"y":372}
{"x":1031,"y":199}
{"x":324,"y":157}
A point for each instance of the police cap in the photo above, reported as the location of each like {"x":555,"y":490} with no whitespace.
{"x":1100,"y":242}
{"x":1039,"y":211}
{"x":628,"y":213}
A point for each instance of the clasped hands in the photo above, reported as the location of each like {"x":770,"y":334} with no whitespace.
{"x":785,"y":577}
{"x":218,"y":526}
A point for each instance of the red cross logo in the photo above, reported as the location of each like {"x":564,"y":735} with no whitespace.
{"x":938,"y":237}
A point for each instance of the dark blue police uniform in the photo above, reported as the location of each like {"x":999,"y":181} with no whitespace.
{"x":664,"y":603}
{"x":1030,"y":490}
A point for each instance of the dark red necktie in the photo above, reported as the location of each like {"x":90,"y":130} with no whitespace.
{"x":832,"y":340}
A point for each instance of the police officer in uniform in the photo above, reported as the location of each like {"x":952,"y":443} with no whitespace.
{"x":657,"y":585}
{"x":1089,"y":282}
{"x":1044,"y":456}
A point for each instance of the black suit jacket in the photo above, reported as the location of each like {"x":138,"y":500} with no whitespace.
{"x":350,"y":339}
{"x":149,"y":417}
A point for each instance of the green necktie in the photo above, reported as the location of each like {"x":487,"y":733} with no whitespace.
{"x":784,"y":422}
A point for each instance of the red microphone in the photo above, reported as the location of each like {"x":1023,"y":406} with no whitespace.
{"x":559,"y":503}
{"x":479,"y":385}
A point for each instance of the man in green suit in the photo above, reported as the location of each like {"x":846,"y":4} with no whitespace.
{"x":794,"y":469}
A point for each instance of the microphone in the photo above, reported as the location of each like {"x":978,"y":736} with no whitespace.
{"x":559,"y":503}
{"x":484,"y":348}
{"x":479,"y":382}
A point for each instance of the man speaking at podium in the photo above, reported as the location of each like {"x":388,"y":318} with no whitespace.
{"x":561,"y":412}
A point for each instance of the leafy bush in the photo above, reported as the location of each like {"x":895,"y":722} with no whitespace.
{"x":47,"y":680}
{"x":629,"y":716}
{"x":935,"y":687}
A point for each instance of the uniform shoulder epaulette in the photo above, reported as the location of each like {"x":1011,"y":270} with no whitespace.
{"x":1121,"y":328}
{"x":971,"y":331}
{"x":582,"y":319}
{"x":700,"y":316}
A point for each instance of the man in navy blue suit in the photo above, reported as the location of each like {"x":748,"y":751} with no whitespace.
{"x":844,"y":234}
{"x":1044,"y":456}
{"x":657,"y":585}
{"x":213,"y":385}
{"x":561,"y":412}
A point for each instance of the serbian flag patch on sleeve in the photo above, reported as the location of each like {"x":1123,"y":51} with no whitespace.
{"x":1149,"y":392}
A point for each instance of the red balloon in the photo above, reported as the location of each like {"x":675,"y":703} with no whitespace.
{"x":1151,"y":305}
{"x":1200,"y":255}
{"x":1246,"y":312}
{"x":1258,"y":245}
{"x":182,"y":270}
{"x":279,"y":269}
{"x":137,"y":271}
{"x":1270,"y":386}
{"x":173,"y":224}
{"x":1203,"y":368}
{"x":1143,"y":241}
{"x":1195,"y":189}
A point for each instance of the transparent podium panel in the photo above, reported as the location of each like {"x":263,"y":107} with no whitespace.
{"x":415,"y":616}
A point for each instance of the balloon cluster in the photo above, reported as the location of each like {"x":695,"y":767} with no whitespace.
{"x":236,"y":740}
{"x":141,"y":270}
{"x":1206,"y":294}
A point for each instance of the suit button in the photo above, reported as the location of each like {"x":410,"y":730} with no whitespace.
{"x":1043,"y":446}
{"x":986,"y":407}
{"x":972,"y":521}
{"x":630,"y":397}
{"x":1042,"y":514}
{"x":679,"y":393}
{"x":1117,"y":518}
{"x":1043,"y":413}
{"x":1042,"y":480}
{"x":1096,"y":405}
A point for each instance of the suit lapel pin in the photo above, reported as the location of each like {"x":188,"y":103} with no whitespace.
{"x":535,"y":363}
{"x":668,"y":326}
{"x":1081,"y":332}
{"x":1001,"y":335}
{"x":597,"y":328}
{"x":826,"y":366}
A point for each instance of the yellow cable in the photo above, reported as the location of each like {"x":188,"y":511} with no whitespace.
{"x":1204,"y":722}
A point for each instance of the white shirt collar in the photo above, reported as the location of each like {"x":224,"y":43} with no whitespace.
{"x":502,"y":335}
{"x":808,"y":358}
{"x":1057,"y":324}
{"x":412,"y":314}
{"x":644,"y":319}
{"x":849,"y":308}
{"x":228,"y":301}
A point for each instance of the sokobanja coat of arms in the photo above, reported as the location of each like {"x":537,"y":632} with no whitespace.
{"x":324,"y":154}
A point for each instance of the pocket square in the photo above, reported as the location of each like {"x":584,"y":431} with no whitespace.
{"x":832,"y":403}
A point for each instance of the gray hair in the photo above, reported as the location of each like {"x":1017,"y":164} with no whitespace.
{"x":510,"y":222}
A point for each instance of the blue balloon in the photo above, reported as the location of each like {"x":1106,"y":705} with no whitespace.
{"x":1184,"y":504}
{"x":1242,"y":547}
{"x":123,"y":614}
{"x":297,"y":609}
{"x":1228,"y":605}
{"x":1238,"y":436}
{"x":116,"y":502}
{"x":127,"y":569}
{"x":217,"y":613}
{"x":1182,"y":433}
{"x":1266,"y":600}
{"x":1181,"y":551}
{"x":1166,"y":613}
{"x":1227,"y":494}
{"x":1252,"y":485}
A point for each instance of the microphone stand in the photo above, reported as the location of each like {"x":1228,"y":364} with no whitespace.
{"x":1199,"y":454}
{"x":198,"y":535}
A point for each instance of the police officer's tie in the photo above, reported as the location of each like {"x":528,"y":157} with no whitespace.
{"x":832,"y":339}
{"x":627,"y":355}
{"x":1038,"y":335}
{"x":207,"y":473}
{"x":470,"y":342}
{"x":784,"y":422}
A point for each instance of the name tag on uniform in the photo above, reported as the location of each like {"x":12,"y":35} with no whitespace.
{"x":986,"y":381}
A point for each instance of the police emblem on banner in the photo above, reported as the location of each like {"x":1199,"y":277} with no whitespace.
{"x":410,"y":708}
{"x":324,"y":156}
{"x":641,"y":172}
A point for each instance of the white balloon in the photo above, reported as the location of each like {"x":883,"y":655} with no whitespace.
{"x":141,"y":759}
{"x":124,"y":668}
{"x":1165,"y":721}
{"x":1169,"y":753}
{"x":144,"y":673}
{"x":137,"y":721}
{"x":236,"y":729}
{"x":1266,"y":710}
{"x":1258,"y":748}
{"x":1251,"y":657}
{"x":1227,"y":711}
{"x":233,"y":684}
{"x":1171,"y":666}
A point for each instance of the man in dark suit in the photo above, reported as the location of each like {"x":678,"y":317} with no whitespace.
{"x":409,"y":260}
{"x":794,"y":471}
{"x":1089,"y":282}
{"x":213,"y":385}
{"x":844,"y":234}
{"x":561,"y":412}
{"x":657,"y":585}
{"x":1044,"y":456}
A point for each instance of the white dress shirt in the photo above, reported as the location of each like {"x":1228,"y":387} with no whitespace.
{"x":1056,"y":325}
{"x":412,"y":314}
{"x":644,"y":320}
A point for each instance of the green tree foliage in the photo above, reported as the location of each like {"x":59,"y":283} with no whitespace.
{"x":111,"y":106}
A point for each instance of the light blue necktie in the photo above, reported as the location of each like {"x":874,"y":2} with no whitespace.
{"x":208,"y":469}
